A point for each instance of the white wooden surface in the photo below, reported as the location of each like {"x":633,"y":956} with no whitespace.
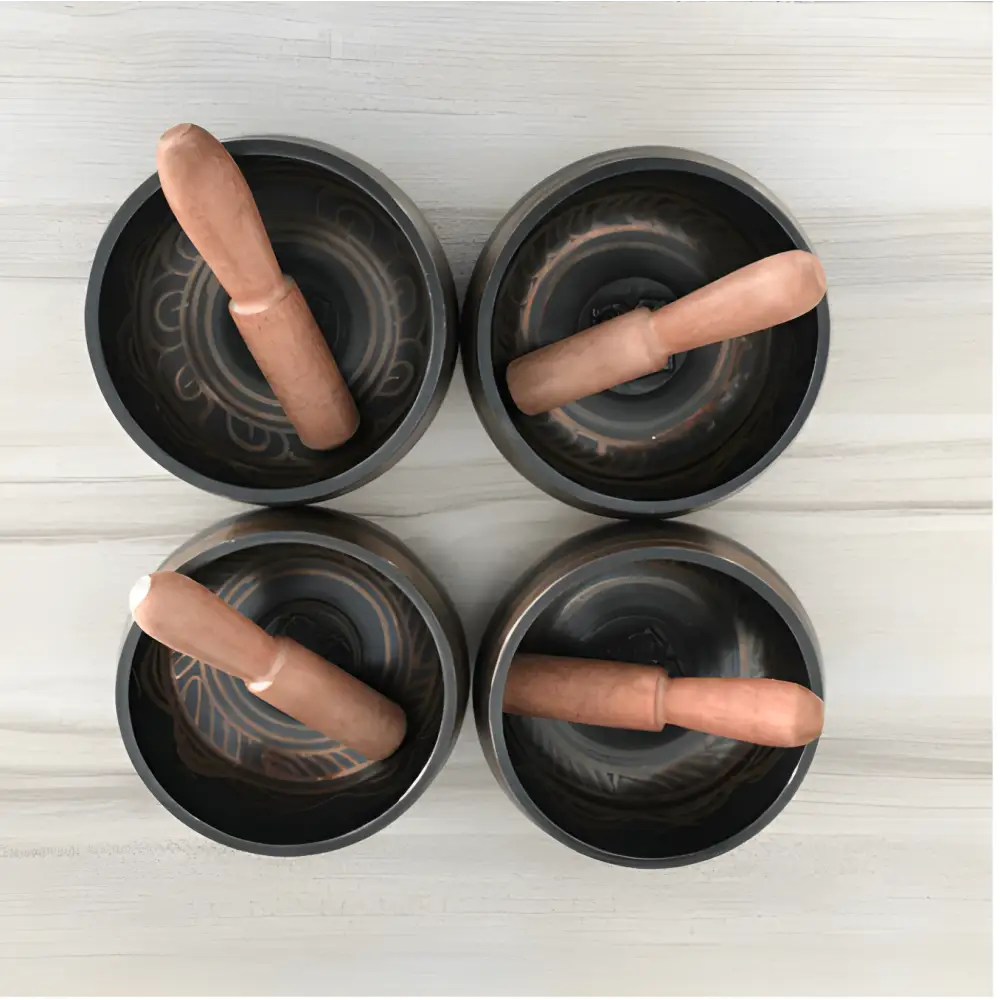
{"x":872,"y":121}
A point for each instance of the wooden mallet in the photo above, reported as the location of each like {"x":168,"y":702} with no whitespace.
{"x":179,"y":612}
{"x":757,"y":710}
{"x":213,"y":204}
{"x":756,"y":297}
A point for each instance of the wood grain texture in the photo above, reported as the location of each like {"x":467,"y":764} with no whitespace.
{"x":872,"y":122}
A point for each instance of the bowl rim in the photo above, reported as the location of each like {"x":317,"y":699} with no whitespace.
{"x":493,"y":264}
{"x":520,"y":609}
{"x":442,"y":323}
{"x":452,"y":664}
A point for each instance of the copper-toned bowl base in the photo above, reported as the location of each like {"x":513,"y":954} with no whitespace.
{"x":242,"y":772}
{"x":603,"y":236}
{"x":674,"y":596}
{"x":179,"y":376}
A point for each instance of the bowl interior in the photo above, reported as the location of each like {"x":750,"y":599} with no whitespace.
{"x":648,"y":238}
{"x":666,"y":795}
{"x":248,"y":770}
{"x":182,"y":370}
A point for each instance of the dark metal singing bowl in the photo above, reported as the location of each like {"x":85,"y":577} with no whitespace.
{"x":245,"y":774}
{"x":675,"y":596}
{"x":179,"y":378}
{"x":628,"y":228}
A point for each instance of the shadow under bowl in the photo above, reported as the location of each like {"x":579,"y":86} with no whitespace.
{"x":245,"y":774}
{"x":628,"y":228}
{"x":178,"y":376}
{"x":692,"y":602}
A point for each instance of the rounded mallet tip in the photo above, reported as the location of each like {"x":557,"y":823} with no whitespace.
{"x":138,"y":593}
{"x":176,"y":132}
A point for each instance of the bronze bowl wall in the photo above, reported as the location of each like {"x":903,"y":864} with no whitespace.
{"x":179,"y":378}
{"x":670,"y":595}
{"x":633,"y":227}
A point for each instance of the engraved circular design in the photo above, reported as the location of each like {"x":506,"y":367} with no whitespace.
{"x":246,"y":774}
{"x":622,"y":229}
{"x":334,"y":605}
{"x":625,"y":295}
{"x":691,"y":602}
{"x":177,"y":373}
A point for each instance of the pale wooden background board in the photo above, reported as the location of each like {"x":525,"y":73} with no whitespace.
{"x":872,"y":122}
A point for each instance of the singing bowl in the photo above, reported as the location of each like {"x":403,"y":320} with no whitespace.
{"x":180,"y":379}
{"x":628,"y":228}
{"x":671,"y":595}
{"x":245,"y":774}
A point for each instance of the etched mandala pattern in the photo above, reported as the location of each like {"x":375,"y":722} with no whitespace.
{"x":222,"y":730}
{"x":191,"y":381}
{"x":648,"y":443}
